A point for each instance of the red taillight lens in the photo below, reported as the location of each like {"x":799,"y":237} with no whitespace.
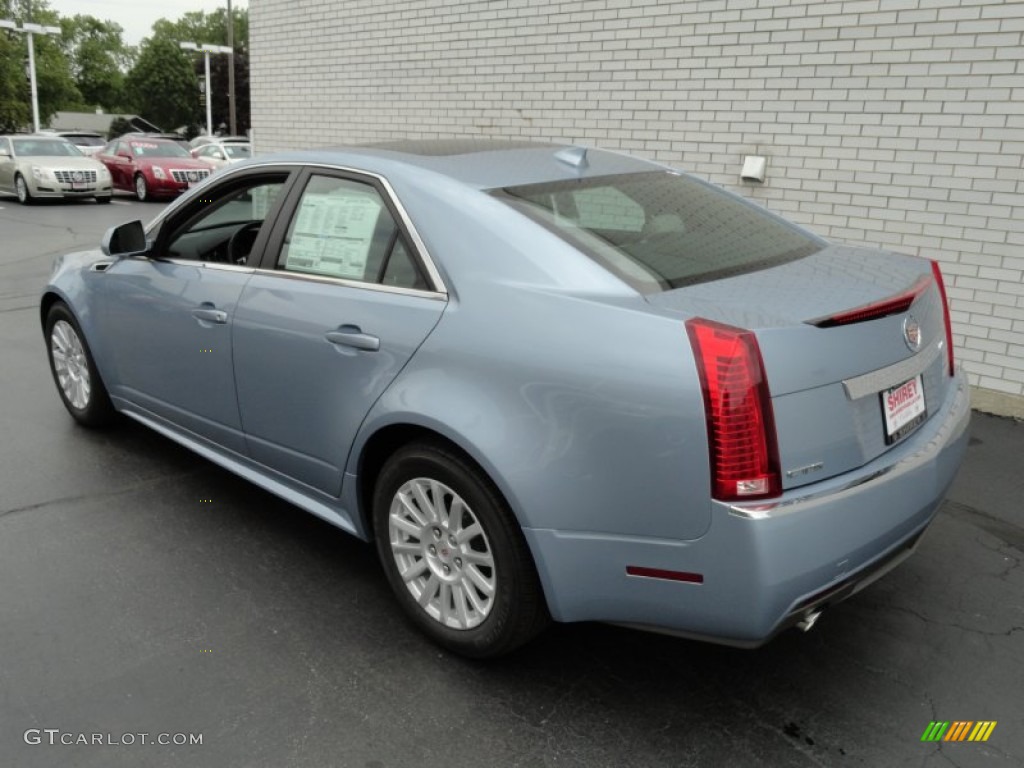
{"x":738,"y":408}
{"x":937,"y":274}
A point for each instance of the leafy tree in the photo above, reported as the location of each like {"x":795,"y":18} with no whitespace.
{"x":211,"y":28}
{"x":119,"y":126}
{"x":55,"y":87}
{"x":162,"y":85}
{"x":98,"y":59}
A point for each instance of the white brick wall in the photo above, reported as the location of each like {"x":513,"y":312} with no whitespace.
{"x":898,"y":123}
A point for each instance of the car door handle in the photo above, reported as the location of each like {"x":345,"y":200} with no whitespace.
{"x":352,"y":336}
{"x":210,"y":315}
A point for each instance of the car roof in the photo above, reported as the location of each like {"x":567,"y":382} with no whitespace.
{"x":478,"y":163}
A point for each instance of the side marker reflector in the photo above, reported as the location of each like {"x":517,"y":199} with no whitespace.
{"x":660,"y":573}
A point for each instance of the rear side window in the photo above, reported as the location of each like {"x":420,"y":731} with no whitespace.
{"x":662,"y":230}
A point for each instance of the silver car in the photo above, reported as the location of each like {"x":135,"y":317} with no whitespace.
{"x":545,"y":381}
{"x":35,"y":167}
{"x":217,"y":154}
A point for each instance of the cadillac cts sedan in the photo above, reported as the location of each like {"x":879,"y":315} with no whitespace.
{"x":38,"y":166}
{"x":151,"y":168}
{"x":547,"y":382}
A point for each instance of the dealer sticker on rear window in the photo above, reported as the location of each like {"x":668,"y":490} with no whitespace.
{"x":903,"y":408}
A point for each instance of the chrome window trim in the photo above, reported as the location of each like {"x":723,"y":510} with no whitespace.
{"x":884,"y":378}
{"x":308,"y":277}
{"x":433,"y":274}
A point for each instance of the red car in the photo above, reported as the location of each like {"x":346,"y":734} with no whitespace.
{"x":151,"y":167}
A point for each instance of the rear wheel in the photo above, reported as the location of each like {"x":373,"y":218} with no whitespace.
{"x":21,"y":190}
{"x":74,"y":371}
{"x":454,"y":554}
{"x":141,"y":189}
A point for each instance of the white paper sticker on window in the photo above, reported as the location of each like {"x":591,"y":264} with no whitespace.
{"x":333,"y":233}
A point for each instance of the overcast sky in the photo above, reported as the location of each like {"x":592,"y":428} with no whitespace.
{"x":137,"y":16}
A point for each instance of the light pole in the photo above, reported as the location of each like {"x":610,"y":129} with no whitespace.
{"x":206,"y":50}
{"x":231,"y":71}
{"x":30,"y":30}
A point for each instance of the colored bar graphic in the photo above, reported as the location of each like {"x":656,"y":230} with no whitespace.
{"x":935,"y":731}
{"x":958,"y":730}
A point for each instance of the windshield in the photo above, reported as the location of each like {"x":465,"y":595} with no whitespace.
{"x":85,"y":141}
{"x":44,"y":148}
{"x":661,"y":230}
{"x":237,"y":151}
{"x":157,"y":149}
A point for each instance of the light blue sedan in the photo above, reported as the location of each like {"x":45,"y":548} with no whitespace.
{"x":546,"y":381}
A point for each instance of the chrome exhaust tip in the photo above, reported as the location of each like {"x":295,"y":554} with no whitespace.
{"x":808,"y":621}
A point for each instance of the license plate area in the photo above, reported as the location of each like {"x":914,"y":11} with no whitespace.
{"x":903,"y":409}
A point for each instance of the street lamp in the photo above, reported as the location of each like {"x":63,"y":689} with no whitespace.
{"x":206,"y":50}
{"x":30,"y":30}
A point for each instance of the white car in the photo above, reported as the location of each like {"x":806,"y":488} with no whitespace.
{"x":221,"y":153}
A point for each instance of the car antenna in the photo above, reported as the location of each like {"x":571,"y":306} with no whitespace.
{"x":574,"y":156}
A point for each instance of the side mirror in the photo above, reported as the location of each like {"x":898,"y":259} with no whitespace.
{"x":124,"y":240}
{"x":4,"y":153}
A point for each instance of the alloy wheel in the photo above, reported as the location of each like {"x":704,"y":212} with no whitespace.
{"x":442,"y":553}
{"x":70,"y":364}
{"x":21,"y":189}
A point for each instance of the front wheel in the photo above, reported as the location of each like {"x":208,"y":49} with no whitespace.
{"x":454,"y":555}
{"x":74,"y":370}
{"x":141,"y":189}
{"x":21,"y":190}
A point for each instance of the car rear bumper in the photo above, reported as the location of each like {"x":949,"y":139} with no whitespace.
{"x":764,"y":567}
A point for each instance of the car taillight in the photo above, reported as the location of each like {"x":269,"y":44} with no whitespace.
{"x":741,"y":426}
{"x":937,"y":274}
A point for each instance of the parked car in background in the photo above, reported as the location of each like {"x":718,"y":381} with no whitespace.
{"x":200,"y":141}
{"x":177,"y":138}
{"x":218,"y":154}
{"x":151,"y":168}
{"x":90,"y":143}
{"x":546,"y":381}
{"x":37,"y":166}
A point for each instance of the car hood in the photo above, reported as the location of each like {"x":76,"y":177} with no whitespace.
{"x":171,"y":162}
{"x":60,"y":163}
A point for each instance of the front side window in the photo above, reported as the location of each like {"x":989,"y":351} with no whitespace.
{"x":343,"y":229}
{"x":238,"y":151}
{"x":661,"y":230}
{"x":222,"y":225}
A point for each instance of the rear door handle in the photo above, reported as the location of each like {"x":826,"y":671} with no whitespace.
{"x":352,"y":336}
{"x":210,"y":315}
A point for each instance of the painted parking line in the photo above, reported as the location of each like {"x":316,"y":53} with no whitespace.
{"x":119,"y":202}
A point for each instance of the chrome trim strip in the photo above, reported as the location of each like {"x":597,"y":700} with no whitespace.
{"x":432,"y":272}
{"x":878,"y":381}
{"x":435,"y":295}
{"x":956,"y":420}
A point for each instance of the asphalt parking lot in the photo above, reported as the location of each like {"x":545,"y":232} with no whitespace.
{"x":144,"y":590}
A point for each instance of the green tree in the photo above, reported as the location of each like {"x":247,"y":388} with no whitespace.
{"x":55,"y":87}
{"x":98,"y":59}
{"x":211,"y":28}
{"x":162,"y":86}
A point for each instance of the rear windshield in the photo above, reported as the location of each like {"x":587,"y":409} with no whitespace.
{"x":661,"y":230}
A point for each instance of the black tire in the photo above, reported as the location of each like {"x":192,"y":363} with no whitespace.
{"x":104,"y":200}
{"x":22,"y":191}
{"x":517,"y":611}
{"x":141,"y":190}
{"x":97,"y":410}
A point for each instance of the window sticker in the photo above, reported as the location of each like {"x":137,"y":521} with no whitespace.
{"x":333,"y":234}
